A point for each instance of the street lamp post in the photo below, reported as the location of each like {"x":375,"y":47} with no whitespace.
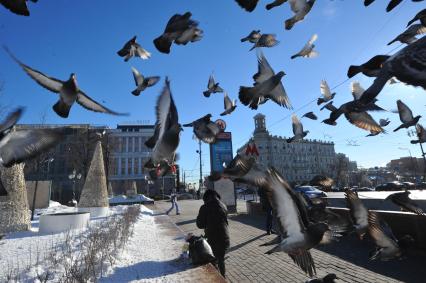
{"x":36,"y":187}
{"x":201,"y":165}
{"x":74,"y":176}
{"x":412,"y":162}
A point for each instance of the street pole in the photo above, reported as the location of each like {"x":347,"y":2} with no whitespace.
{"x":201,"y":166}
{"x":424,"y":162}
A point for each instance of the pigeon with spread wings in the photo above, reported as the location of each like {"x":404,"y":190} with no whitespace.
{"x":326,"y":93}
{"x":265,"y":40}
{"x":229,"y":105}
{"x":133,"y":49}
{"x":267,"y":85}
{"x":18,"y":7}
{"x":253,"y":36}
{"x":68,"y":91}
{"x":406,"y":116}
{"x":212,"y":87}
{"x":204,"y":129}
{"x":298,"y":132}
{"x":20,"y":145}
{"x":166,"y":136}
{"x":142,"y":82}
{"x":403,"y":200}
{"x":308,"y":50}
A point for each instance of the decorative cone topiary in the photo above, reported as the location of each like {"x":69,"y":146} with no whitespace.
{"x":133,"y":191}
{"x":14,"y":210}
{"x":110,"y":191}
{"x":95,"y":193}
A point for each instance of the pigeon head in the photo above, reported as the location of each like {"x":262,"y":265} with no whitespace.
{"x":73,"y":80}
{"x":133,"y":40}
{"x":330,"y":277}
{"x":417,"y":118}
{"x":281,"y":74}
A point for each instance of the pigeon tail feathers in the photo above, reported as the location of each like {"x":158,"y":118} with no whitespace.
{"x":62,"y":109}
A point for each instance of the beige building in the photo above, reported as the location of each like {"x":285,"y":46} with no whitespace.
{"x":298,"y":161}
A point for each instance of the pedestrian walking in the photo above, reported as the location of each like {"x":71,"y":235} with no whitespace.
{"x":213,"y":218}
{"x":173,"y":200}
{"x":198,"y":194}
{"x":266,"y":206}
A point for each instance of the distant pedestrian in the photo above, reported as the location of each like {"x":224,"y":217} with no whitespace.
{"x":212,"y":217}
{"x":266,"y":206}
{"x":173,"y":200}
{"x":198,"y":194}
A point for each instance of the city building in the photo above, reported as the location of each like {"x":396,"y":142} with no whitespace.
{"x":298,"y":162}
{"x":409,"y":167}
{"x":124,"y":155}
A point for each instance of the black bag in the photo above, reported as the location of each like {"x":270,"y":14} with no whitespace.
{"x":200,"y":251}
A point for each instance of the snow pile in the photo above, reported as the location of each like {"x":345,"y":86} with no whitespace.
{"x":131,"y":199}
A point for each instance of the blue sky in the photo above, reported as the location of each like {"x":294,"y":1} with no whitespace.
{"x":61,"y":37}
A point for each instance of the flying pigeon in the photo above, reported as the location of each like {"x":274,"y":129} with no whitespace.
{"x":274,"y":4}
{"x":420,"y":16}
{"x":212,"y":87}
{"x":408,"y":66}
{"x":179,"y":29}
{"x":384,"y":122}
{"x":229,"y":105}
{"x":265,"y":40}
{"x":409,"y":36}
{"x":368,"y":2}
{"x":21,"y":145}
{"x":326,"y":93}
{"x":358,"y":212}
{"x":300,"y":9}
{"x":141,"y":82}
{"x":310,"y":115}
{"x":299,"y":236}
{"x":166,"y":136}
{"x":204,"y":129}
{"x":403,"y":200}
{"x":387,"y":246}
{"x":68,"y":91}
{"x":308,"y":50}
{"x":421,"y":134}
{"x":329,"y":278}
{"x":131,"y":49}
{"x":371,"y":68}
{"x":18,"y":7}
{"x":267,"y":85}
{"x":298,"y":132}
{"x":329,"y":106}
{"x":321,"y":181}
{"x":406,"y":116}
{"x":253,"y":37}
{"x":357,"y":91}
{"x":392,"y":4}
{"x":248,"y":5}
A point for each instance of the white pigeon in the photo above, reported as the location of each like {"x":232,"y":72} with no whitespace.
{"x":229,"y":105}
{"x":308,"y":50}
{"x":326,"y":93}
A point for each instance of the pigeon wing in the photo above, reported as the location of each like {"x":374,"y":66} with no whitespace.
{"x":379,"y":236}
{"x":405,"y":113}
{"x":88,"y":103}
{"x":152,"y":80}
{"x":26,"y":144}
{"x":358,"y":212}
{"x":248,"y":5}
{"x":297,"y":126}
{"x":211,"y":82}
{"x":297,"y":5}
{"x":227,"y":102}
{"x":11,"y":120}
{"x":305,"y":261}
{"x":137,"y":76}
{"x":364,"y":121}
{"x":356,"y":90}
{"x":279,"y":96}
{"x":17,"y":7}
{"x":325,"y":90}
{"x":264,"y":70}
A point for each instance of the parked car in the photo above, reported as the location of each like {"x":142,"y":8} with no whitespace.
{"x":310,"y":192}
{"x":363,"y":189}
{"x":409,"y":185}
{"x":390,"y":186}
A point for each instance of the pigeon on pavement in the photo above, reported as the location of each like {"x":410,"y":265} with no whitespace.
{"x":142,"y":82}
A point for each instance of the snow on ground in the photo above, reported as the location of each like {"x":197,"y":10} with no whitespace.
{"x":124,"y":199}
{"x":151,"y":254}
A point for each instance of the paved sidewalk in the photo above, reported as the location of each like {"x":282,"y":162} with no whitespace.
{"x":248,"y":262}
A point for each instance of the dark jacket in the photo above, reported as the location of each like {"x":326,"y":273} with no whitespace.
{"x":266,"y":206}
{"x":212,"y":217}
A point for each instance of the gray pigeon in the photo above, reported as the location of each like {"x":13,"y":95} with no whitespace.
{"x":298,"y":132}
{"x":329,"y":106}
{"x":408,"y":66}
{"x":248,"y":5}
{"x":329,"y":278}
{"x":204,"y":129}
{"x":409,"y":36}
{"x":18,"y":7}
{"x":166,"y":136}
{"x":406,"y":116}
{"x":300,"y":9}
{"x":326,"y":93}
{"x":420,"y":16}
{"x":229,"y":105}
{"x":391,"y":5}
{"x":253,"y":37}
{"x":265,"y":40}
{"x":179,"y":29}
{"x":133,"y":49}
{"x":358,"y":213}
{"x":308,"y":50}
{"x":274,"y":4}
{"x":384,"y":122}
{"x":267,"y":85}
{"x":421,"y":134}
{"x":212,"y":87}
{"x":141,"y":82}
{"x":310,"y":115}
{"x":371,"y":68}
{"x":68,"y":91}
{"x":19,"y":146}
{"x":403,"y":200}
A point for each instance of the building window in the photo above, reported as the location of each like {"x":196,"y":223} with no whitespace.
{"x":136,"y":144}
{"x":123,"y":166}
{"x":129,"y":166}
{"x":130,"y":144}
{"x":136,"y":166}
{"x":123,"y":144}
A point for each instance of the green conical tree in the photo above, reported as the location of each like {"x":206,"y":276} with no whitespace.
{"x":14,"y":209}
{"x":95,"y":193}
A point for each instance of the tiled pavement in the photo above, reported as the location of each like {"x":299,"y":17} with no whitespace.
{"x":247,"y":262}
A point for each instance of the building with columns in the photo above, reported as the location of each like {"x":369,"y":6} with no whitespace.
{"x":298,"y":162}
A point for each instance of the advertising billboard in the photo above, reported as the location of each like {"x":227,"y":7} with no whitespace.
{"x":221,"y":152}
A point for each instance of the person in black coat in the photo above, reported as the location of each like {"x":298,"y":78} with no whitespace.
{"x":212,"y":217}
{"x":266,"y":206}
